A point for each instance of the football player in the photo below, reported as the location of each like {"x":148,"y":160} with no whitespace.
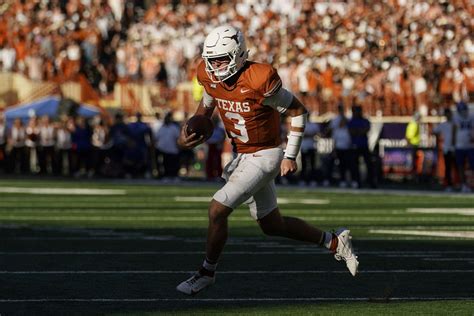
{"x":250,"y":99}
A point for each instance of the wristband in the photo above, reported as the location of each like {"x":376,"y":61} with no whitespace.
{"x":293,"y":145}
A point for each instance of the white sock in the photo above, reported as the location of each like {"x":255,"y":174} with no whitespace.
{"x":209,"y":266}
{"x":327,"y":240}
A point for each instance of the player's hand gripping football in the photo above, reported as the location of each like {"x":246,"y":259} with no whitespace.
{"x":186,"y":141}
{"x":287,"y":167}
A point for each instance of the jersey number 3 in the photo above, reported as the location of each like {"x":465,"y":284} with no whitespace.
{"x":239,"y":124}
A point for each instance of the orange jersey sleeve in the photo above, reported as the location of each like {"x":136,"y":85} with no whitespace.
{"x":264,"y":79}
{"x":251,"y":125}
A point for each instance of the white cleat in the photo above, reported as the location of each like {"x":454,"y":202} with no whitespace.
{"x":195,"y":284}
{"x":344,"y":250}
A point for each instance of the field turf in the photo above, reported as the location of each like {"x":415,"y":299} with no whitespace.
{"x":86,"y":248}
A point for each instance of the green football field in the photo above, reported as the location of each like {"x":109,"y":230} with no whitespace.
{"x":88,"y":248}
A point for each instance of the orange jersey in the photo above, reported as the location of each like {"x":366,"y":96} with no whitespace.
{"x":251,"y":125}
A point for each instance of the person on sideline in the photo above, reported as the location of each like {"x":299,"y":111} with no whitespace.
{"x":464,"y":138}
{"x":446,"y":131}
{"x":412,"y":135}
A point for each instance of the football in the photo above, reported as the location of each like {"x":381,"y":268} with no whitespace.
{"x":201,"y":125}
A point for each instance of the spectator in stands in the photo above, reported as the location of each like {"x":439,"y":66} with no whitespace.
{"x":34,"y":64}
{"x":351,"y":44}
{"x":215,"y":144}
{"x":413,"y":137}
{"x":167,"y":138}
{"x":8,"y":57}
{"x":464,"y":135}
{"x":359,"y":127}
{"x":445,"y":131}
{"x":468,"y":72}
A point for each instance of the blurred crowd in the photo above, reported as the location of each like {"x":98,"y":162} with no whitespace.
{"x":392,"y":57}
{"x":118,"y":147}
{"x":128,"y":147}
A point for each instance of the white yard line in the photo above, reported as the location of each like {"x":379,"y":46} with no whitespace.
{"x":100,"y":253}
{"x":302,"y":201}
{"x":449,"y":259}
{"x":397,"y":254}
{"x":198,"y":240}
{"x":244,"y":299}
{"x":232,"y":272}
{"x":392,"y":192}
{"x":132,"y":218}
{"x":279,"y":200}
{"x":62,"y":191}
{"x":457,"y":211}
{"x":454,"y":234}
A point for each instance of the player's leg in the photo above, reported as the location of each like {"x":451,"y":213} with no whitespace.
{"x":217,"y":230}
{"x":263,"y":208}
{"x":291,"y":227}
{"x":274,"y":224}
{"x":216,"y":239}
{"x":245,"y":175}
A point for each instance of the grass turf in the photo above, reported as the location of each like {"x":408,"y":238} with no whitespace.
{"x":152,"y":228}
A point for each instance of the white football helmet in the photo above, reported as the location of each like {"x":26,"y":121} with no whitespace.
{"x":224,"y":41}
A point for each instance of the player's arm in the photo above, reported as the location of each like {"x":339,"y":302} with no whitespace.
{"x":206,"y":108}
{"x":299,"y":116}
{"x":285,"y":102}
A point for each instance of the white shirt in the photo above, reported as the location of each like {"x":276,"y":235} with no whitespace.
{"x":64,"y":139}
{"x":464,"y":132}
{"x":420,"y":85}
{"x":393,"y":77}
{"x":155,"y":128}
{"x":99,"y":138}
{"x":167,"y":138}
{"x":18,"y":136}
{"x":8,"y":58}
{"x":47,"y":136}
{"x":340,"y":135}
{"x":445,"y":129}
{"x":310,"y":131}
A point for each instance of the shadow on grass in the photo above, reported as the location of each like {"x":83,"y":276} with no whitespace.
{"x":154,"y":293}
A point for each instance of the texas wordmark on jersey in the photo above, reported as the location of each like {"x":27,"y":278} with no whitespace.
{"x":251,"y":125}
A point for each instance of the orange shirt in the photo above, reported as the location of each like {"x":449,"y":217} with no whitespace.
{"x":327,"y":76}
{"x":251,"y":125}
{"x":20,"y":48}
{"x":446,"y":85}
